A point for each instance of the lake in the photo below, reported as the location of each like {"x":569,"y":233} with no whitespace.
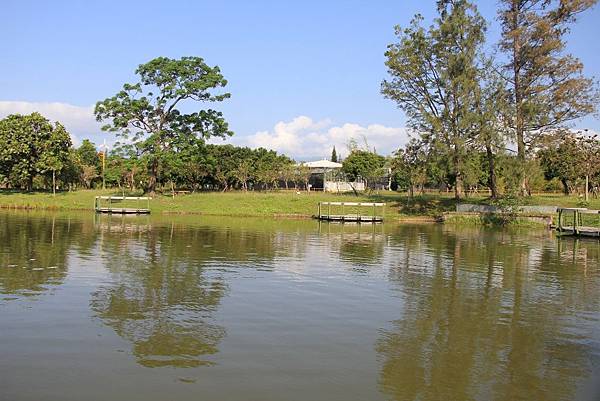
{"x":206,"y":308}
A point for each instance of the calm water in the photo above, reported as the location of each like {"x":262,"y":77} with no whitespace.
{"x":197,"y":308}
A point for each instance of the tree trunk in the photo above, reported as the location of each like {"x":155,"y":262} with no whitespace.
{"x":566,"y":188}
{"x":492,"y":171}
{"x":519,"y":122}
{"x":458,"y":185}
{"x":353,"y":189}
{"x":53,"y":183}
{"x":153,"y":173}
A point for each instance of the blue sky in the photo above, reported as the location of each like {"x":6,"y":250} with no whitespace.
{"x":303,"y":75}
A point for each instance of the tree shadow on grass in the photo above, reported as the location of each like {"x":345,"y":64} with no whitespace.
{"x":420,"y":205}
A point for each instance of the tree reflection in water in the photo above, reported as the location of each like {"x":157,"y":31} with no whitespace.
{"x":487,"y":315}
{"x":160,"y":297}
{"x":167,"y":283}
{"x":33,"y":252}
{"x":359,"y":245}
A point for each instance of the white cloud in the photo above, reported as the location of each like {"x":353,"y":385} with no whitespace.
{"x":301,"y":138}
{"x":306,"y":139}
{"x":78,"y":120}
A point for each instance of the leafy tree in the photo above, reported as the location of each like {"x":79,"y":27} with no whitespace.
{"x":409,"y":166}
{"x":31,"y":145}
{"x":434,"y":78}
{"x":90,"y":166}
{"x":88,"y":154}
{"x":71,"y":173}
{"x":363,"y":165}
{"x":547,"y":86}
{"x":147,"y":113}
{"x":288,"y":172}
{"x":491,"y":104}
{"x":54,"y":153}
{"x":570,"y":158}
{"x":242,"y":174}
{"x":267,"y":170}
{"x":303,"y":174}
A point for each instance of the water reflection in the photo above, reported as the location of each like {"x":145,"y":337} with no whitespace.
{"x":358,"y":244}
{"x":488,"y":315}
{"x":403,"y":312}
{"x":166,"y":282}
{"x":159,"y":296}
{"x":33,"y":253}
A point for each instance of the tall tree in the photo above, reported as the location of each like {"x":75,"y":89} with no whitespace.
{"x":147,"y":113}
{"x":54,"y":153}
{"x":31,"y":145}
{"x":434,"y":78}
{"x":334,"y":157}
{"x":88,"y":154}
{"x":547,"y":85}
{"x":491,"y":105}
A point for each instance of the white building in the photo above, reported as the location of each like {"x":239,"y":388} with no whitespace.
{"x":327,"y":176}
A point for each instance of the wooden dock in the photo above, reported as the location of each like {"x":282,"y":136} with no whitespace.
{"x":579,"y":222}
{"x":357,"y":212}
{"x":108,"y":207}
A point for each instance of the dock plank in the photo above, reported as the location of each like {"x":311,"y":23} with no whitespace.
{"x":121,"y":210}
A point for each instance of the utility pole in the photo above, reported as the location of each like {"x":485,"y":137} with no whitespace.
{"x":104,"y":165}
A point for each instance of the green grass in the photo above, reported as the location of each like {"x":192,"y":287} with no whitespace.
{"x":276,"y":203}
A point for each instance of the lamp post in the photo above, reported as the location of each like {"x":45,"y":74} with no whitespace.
{"x":104,"y":151}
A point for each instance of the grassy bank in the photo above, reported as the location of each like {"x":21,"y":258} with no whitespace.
{"x":280,"y":204}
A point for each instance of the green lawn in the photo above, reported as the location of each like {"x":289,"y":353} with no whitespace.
{"x":279,"y":203}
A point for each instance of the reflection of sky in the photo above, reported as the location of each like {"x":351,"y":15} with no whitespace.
{"x":304,"y":312}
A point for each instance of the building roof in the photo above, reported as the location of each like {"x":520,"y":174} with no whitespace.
{"x":323,"y":164}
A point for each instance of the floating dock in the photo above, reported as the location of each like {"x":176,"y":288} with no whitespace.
{"x":107,"y":206}
{"x":579,"y":222}
{"x":358,"y":212}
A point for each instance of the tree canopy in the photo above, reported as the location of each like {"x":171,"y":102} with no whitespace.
{"x":31,"y":145}
{"x":147,"y":113}
{"x":547,"y":86}
{"x":434,"y":78}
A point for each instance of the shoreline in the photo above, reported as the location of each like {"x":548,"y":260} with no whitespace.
{"x":291,"y":205}
{"x":447,"y":218}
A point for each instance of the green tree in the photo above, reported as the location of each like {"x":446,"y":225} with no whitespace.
{"x":334,"y":157}
{"x":90,"y":162}
{"x":547,"y":86}
{"x":147,"y":113}
{"x":363,"y":165}
{"x":434,"y":79}
{"x":31,"y":145}
{"x":491,"y":103}
{"x":570,"y":157}
{"x":409,"y":166}
{"x":303,"y":174}
{"x":88,"y":154}
{"x":54,"y":153}
{"x":242,"y":174}
{"x":71,"y":174}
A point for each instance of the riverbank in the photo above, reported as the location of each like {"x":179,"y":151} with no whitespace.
{"x":276,"y":204}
